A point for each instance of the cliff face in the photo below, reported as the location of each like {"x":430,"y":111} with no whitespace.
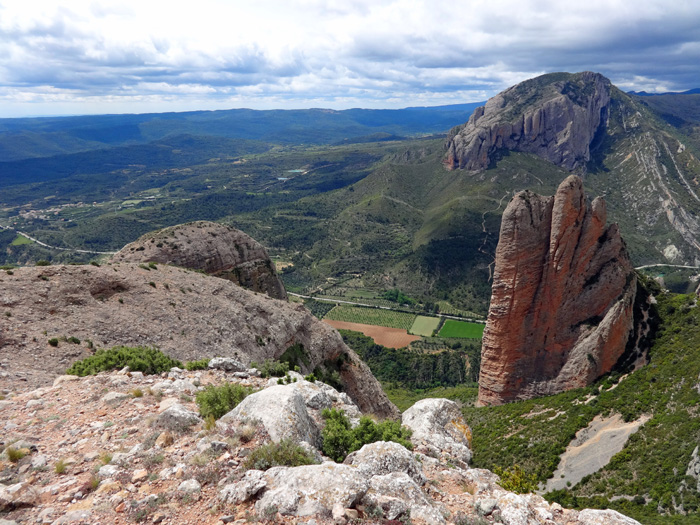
{"x":186,"y":314}
{"x":216,"y":249}
{"x":562,"y":301}
{"x":555,"y":116}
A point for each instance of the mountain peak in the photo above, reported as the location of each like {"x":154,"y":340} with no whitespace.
{"x":555,"y":116}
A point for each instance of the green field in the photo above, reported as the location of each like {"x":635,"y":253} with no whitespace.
{"x":20,"y":240}
{"x":453,"y":328}
{"x":424,"y":325}
{"x":375,"y":316}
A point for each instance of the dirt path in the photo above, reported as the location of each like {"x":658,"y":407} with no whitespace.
{"x":592,"y":449}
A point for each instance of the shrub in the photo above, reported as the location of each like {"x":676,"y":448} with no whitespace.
{"x":218,"y":400}
{"x":202,"y":364}
{"x":286,"y":453}
{"x":140,"y":358}
{"x":60,"y":467}
{"x":339,"y":439}
{"x":272,"y":368}
{"x":43,"y":262}
{"x":53,"y":341}
{"x":516,"y":480}
{"x":15,"y":454}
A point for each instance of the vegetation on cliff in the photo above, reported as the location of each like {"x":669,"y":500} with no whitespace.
{"x":647,"y":479}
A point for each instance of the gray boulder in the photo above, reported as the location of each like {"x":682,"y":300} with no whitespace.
{"x":17,"y":496}
{"x":312,"y":489}
{"x":386,"y":457}
{"x":604,"y":517}
{"x":397,"y":494}
{"x":282,"y":411}
{"x":439,"y":430}
{"x":236,"y":493}
{"x":227,"y":364}
{"x":177,"y":419}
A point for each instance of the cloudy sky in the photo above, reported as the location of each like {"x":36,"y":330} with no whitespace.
{"x":97,"y":56}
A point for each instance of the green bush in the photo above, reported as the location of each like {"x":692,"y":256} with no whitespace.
{"x":286,"y":453}
{"x":139,"y":359}
{"x":53,"y":341}
{"x":339,"y":439}
{"x":516,"y":480}
{"x":272,"y":368}
{"x":218,"y":400}
{"x":202,"y":364}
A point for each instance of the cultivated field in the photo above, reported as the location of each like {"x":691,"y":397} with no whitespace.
{"x":373,"y":316}
{"x":389,"y":337}
{"x":424,"y":325}
{"x":453,"y":328}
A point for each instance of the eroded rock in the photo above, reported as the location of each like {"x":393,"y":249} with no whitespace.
{"x":216,"y":249}
{"x":562,"y":300}
{"x":555,"y":116}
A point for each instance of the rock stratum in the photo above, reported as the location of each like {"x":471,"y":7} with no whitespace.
{"x":186,"y":314}
{"x":563,"y":296}
{"x":213,"y":248}
{"x":555,"y":116}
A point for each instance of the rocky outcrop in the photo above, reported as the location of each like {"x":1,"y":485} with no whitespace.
{"x":117,"y":466}
{"x":186,"y":314}
{"x":555,"y":116}
{"x":439,"y":430}
{"x":215,"y":249}
{"x":562,"y":300}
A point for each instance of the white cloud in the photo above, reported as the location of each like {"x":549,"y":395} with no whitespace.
{"x":97,"y":55}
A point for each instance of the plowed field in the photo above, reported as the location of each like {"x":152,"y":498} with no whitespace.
{"x":389,"y":337}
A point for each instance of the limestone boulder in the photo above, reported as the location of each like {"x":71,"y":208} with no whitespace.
{"x":398,"y":495}
{"x":177,"y":418}
{"x":439,"y":430}
{"x":282,"y":411}
{"x":386,"y":457}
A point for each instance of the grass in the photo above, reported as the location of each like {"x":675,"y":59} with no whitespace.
{"x":462,"y":329}
{"x":373,"y":316}
{"x":286,"y":453}
{"x":20,"y":240}
{"x":424,"y":325}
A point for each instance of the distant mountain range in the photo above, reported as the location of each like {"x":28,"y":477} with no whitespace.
{"x":694,"y":91}
{"x":25,"y":138}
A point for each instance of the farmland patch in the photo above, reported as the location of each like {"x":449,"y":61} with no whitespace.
{"x":382,"y":335}
{"x":373,"y":316}
{"x":424,"y":325}
{"x":462,"y":329}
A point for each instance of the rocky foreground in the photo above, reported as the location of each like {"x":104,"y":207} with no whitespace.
{"x":122,"y":448}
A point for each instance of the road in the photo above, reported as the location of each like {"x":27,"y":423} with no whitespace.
{"x":54,"y":247}
{"x":384,"y":307}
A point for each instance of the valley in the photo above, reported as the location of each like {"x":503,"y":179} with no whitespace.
{"x":371,"y":232}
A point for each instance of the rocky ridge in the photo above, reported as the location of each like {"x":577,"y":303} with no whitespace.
{"x":555,"y":116}
{"x":54,"y":315}
{"x":561,"y":312}
{"x":215,"y":249}
{"x":122,"y":447}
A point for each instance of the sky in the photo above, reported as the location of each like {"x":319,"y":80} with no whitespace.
{"x":135,"y":56}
